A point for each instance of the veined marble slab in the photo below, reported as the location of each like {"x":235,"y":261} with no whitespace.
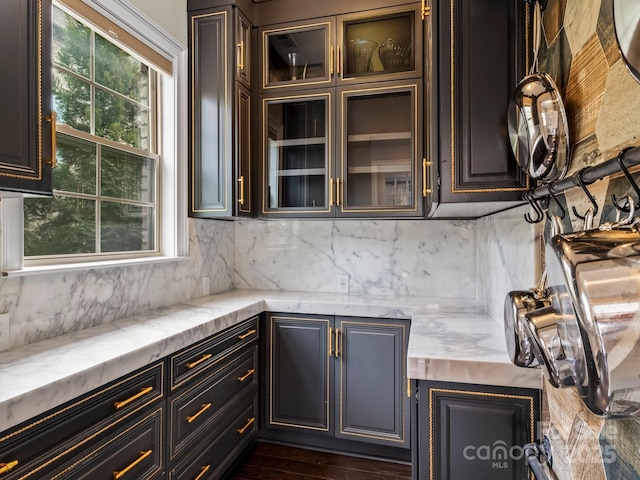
{"x":448,"y":341}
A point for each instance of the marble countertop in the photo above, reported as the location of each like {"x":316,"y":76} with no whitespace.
{"x":450,"y":340}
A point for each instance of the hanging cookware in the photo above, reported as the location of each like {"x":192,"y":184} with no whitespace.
{"x":546,"y":345}
{"x":537,"y":122}
{"x":594,"y":286}
{"x":517,"y":305}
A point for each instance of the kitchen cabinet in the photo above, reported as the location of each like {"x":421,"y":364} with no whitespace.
{"x":27,"y":124}
{"x":482,"y":48}
{"x":338,"y":382}
{"x":220,"y":113}
{"x":213,"y":405}
{"x":192,"y":413}
{"x":326,"y":149}
{"x":111,"y":424}
{"x":474,"y":431}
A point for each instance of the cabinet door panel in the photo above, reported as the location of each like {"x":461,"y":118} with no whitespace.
{"x":25,"y":96}
{"x":211,"y":117}
{"x":480,"y":65}
{"x":470,"y":431}
{"x":371,"y":395}
{"x":299,"y":365}
{"x":243,"y":149}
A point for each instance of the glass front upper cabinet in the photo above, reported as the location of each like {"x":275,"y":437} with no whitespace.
{"x":296,"y":158}
{"x":298,"y":55}
{"x":386,"y":43}
{"x":382,"y":44}
{"x":379,"y":151}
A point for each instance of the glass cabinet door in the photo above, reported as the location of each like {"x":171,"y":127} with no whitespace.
{"x":379,"y":150}
{"x":380,"y":44}
{"x":297,"y":55}
{"x":296,"y":154}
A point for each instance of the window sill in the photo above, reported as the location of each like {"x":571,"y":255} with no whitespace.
{"x":70,"y":267}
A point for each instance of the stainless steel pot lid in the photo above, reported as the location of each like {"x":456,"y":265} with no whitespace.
{"x":538,"y":128}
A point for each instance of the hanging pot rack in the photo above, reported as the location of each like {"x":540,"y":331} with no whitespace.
{"x":626,"y":159}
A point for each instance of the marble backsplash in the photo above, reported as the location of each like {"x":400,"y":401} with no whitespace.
{"x":49,"y":305}
{"x":401,"y":257}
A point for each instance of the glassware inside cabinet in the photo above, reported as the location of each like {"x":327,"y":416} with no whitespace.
{"x":297,"y":55}
{"x":297,"y":154}
{"x":379,"y":45}
{"x":379,"y":152}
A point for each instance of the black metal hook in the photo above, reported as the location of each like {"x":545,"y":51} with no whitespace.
{"x":539,"y":213}
{"x":586,"y":191}
{"x":632,"y":182}
{"x":557,"y":202}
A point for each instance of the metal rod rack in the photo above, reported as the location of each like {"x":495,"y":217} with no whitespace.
{"x":629,"y":158}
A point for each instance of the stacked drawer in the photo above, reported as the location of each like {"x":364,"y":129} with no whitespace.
{"x":114,"y":432}
{"x":213,"y":403}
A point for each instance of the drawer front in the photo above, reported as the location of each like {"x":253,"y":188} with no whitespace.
{"x":45,"y":442}
{"x":212,"y":462}
{"x":198,"y":359}
{"x":134,"y":452}
{"x":202,"y":405}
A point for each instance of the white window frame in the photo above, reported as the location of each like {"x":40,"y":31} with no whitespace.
{"x":173,"y":238}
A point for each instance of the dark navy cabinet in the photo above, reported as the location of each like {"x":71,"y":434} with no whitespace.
{"x":27,"y":125}
{"x":338,"y":381}
{"x":474,"y":431}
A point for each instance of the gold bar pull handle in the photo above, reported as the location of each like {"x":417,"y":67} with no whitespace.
{"x":122,"y":473}
{"x":7,"y":467}
{"x":246,"y":375}
{"x":54,"y":125}
{"x":338,"y":192}
{"x":331,"y":60}
{"x":331,"y":180}
{"x":241,"y":189}
{"x":204,"y":408}
{"x":248,"y":334}
{"x":240,"y":62}
{"x":426,"y":11}
{"x":124,"y":403}
{"x":425,"y":164}
{"x":337,"y":342}
{"x":330,"y":342}
{"x":204,"y":358}
{"x":338,"y":59}
{"x":408,"y":388}
{"x":203,"y":470}
{"x":247,"y":425}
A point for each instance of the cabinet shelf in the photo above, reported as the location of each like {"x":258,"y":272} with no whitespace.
{"x":396,"y":168}
{"x":302,"y":172}
{"x":299,"y":142}
{"x":379,"y":137}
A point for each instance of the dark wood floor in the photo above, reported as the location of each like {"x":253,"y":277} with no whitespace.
{"x":278,"y":462}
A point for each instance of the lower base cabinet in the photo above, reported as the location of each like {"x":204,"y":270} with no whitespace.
{"x":192,"y":424}
{"x":474,"y":431}
{"x":337,"y":382}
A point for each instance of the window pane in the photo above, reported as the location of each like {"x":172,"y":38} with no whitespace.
{"x":119,"y":71}
{"x":127,"y":228}
{"x":76,"y":169}
{"x":59,"y":226}
{"x":120,"y":120}
{"x":71,"y":43}
{"x":128,"y":176}
{"x":72,"y":101}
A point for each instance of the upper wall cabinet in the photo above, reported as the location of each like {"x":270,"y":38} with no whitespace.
{"x":27,"y":126}
{"x":220,"y":113}
{"x":482,"y":50}
{"x":380,"y":44}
